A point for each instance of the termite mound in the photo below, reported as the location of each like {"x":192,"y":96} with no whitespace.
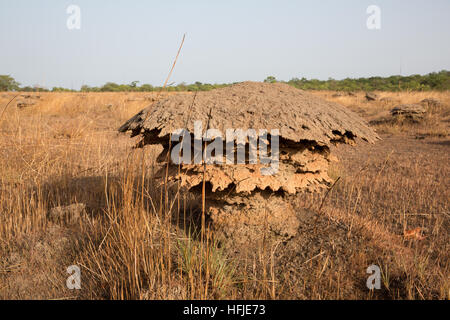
{"x":282,"y":137}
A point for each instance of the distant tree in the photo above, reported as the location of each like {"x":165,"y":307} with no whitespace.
{"x":110,"y":87}
{"x":7,"y":83}
{"x":85,"y":88}
{"x":270,"y":79}
{"x":123,"y":87}
{"x":182,"y":86}
{"x":61,"y":89}
{"x":146,"y":87}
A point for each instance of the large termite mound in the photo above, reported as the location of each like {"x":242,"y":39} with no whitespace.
{"x":244,"y":201}
{"x":297,"y":114}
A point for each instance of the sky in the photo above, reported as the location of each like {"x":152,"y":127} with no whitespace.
{"x":226,"y":41}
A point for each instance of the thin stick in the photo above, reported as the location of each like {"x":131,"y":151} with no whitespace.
{"x":202,"y":234}
{"x":326,"y":195}
{"x":322,"y":203}
{"x":4,"y":109}
{"x":175,"y":61}
{"x":204,"y":180}
{"x":179,"y":160}
{"x":170,"y":73}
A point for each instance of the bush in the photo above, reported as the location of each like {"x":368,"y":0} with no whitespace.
{"x":7,"y":83}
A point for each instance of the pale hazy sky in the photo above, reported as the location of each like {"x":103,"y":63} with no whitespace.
{"x":226,"y":41}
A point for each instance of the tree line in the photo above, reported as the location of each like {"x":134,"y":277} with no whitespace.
{"x":439,"y":81}
{"x":432,"y":81}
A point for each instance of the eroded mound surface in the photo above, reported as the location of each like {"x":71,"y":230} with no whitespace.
{"x":246,"y":220}
{"x":290,"y":178}
{"x":409,"y":111}
{"x":297,"y":114}
{"x":242,"y":202}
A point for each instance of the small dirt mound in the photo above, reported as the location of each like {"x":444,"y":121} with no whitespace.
{"x":25,"y":104}
{"x":431,"y":103}
{"x":370,"y":96}
{"x":413,"y":112}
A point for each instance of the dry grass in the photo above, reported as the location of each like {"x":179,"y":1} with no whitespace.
{"x":143,"y":241}
{"x":436,"y":122}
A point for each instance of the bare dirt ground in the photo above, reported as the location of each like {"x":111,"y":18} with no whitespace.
{"x":390,"y":208}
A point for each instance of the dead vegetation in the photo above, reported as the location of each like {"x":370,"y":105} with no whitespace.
{"x":142,"y":241}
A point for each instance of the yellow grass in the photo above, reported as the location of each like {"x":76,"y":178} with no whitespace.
{"x":436,"y":120}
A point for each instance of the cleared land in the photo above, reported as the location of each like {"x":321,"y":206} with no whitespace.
{"x":138,"y":240}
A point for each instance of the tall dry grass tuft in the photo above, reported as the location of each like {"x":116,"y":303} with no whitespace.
{"x":138,"y":239}
{"x":140,"y":253}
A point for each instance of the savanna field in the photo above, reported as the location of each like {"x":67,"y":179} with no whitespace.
{"x":137,"y":239}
